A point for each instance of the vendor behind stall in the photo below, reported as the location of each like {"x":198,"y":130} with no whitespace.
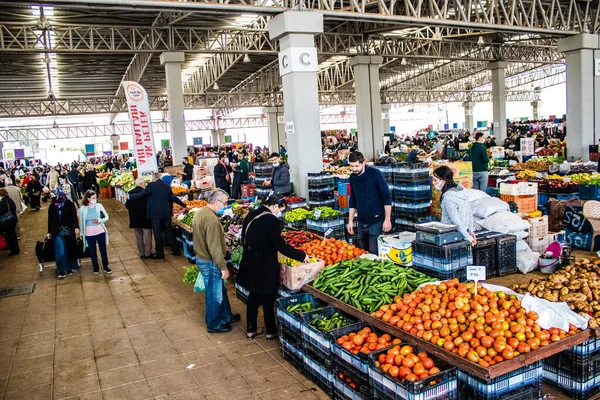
{"x":456,"y":209}
{"x":187,"y":173}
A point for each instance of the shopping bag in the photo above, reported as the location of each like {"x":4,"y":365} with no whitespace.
{"x":3,"y":243}
{"x":44,"y":251}
{"x":82,"y":253}
{"x":199,"y":285}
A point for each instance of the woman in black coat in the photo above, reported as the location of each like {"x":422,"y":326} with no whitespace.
{"x":221,"y":172}
{"x":63,"y":228}
{"x":8,"y":208}
{"x":34,"y":190}
{"x":259,"y":269}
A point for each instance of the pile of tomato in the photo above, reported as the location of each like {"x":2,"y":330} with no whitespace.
{"x":348,"y":381}
{"x":404,"y":364}
{"x":332,"y":250}
{"x":482,"y":326}
{"x":365,"y":341}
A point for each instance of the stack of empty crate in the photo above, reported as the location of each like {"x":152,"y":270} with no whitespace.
{"x":343,"y":195}
{"x":497,"y":251}
{"x":538,"y":234}
{"x":321,"y":190}
{"x":523,"y":194}
{"x":263,"y":172}
{"x":411,"y":195}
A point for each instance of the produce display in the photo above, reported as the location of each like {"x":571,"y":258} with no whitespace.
{"x":190,"y":203}
{"x":365,"y":341}
{"x":348,"y":381}
{"x":180,"y":191}
{"x":227,"y":221}
{"x":236,"y":255}
{"x":298,"y":238}
{"x":332,"y":250}
{"x":326,"y":212}
{"x":535,"y":164}
{"x":293,"y":199}
{"x":125,"y":180}
{"x":300,"y":308}
{"x":104,"y":179}
{"x":401,"y":362}
{"x":233,"y":236}
{"x":482,"y":326}
{"x":297,"y":214}
{"x":187,"y":218}
{"x":323,"y":323}
{"x":294,"y":263}
{"x":191,"y":274}
{"x":578,"y":285}
{"x":368,"y":284}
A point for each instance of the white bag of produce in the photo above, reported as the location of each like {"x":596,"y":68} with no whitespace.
{"x":474,"y":194}
{"x":505,"y":222}
{"x":521,"y":235}
{"x":487,"y":206}
{"x":527,"y":261}
{"x":522,"y":246}
{"x":554,"y":314}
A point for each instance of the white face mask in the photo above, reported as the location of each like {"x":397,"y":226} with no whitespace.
{"x":276,"y":164}
{"x":439,"y":185}
{"x":93,"y":201}
{"x":62,"y":181}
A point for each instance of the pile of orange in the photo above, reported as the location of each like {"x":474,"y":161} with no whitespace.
{"x":482,"y":326}
{"x":404,"y":364}
{"x":332,"y":250}
{"x":365,"y":341}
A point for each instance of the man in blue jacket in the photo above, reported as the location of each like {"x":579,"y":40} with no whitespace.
{"x":159,"y":210}
{"x":370,"y":195}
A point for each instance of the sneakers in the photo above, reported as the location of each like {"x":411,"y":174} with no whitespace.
{"x":221,"y":329}
{"x":107,"y":270}
{"x":96,"y":272}
{"x":70,"y":272}
{"x":62,"y":275}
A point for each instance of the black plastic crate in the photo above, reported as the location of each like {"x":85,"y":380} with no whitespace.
{"x":460,"y":274}
{"x":506,"y":255}
{"x":529,"y":392}
{"x":484,"y":253}
{"x":446,"y":251}
{"x":320,"y":179}
{"x":410,"y":172}
{"x":363,"y":382}
{"x":342,"y":391}
{"x":290,"y":325}
{"x":387,"y":171}
{"x":527,"y":375}
{"x":446,"y":258}
{"x":571,"y":366}
{"x":293,"y":354}
{"x":384,"y":387}
{"x":318,"y":374}
{"x":321,"y":194}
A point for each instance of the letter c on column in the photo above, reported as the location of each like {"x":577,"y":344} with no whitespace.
{"x":304,"y":59}
{"x":284,"y":62}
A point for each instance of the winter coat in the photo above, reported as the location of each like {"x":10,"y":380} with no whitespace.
{"x":160,"y":202}
{"x":221,"y":173}
{"x":137,"y":211}
{"x":83,"y":210}
{"x":259,"y":269}
{"x":456,"y":210}
{"x":69,"y":220}
{"x":281,"y":179}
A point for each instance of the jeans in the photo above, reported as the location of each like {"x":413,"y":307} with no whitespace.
{"x":218,"y":310}
{"x":160,"y":225}
{"x":101,"y":240}
{"x":188,"y":184}
{"x":61,"y":254}
{"x":368,"y":234}
{"x":480,"y":180}
{"x":255,"y":300}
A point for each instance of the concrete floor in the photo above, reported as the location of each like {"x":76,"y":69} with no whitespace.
{"x":136,"y":334}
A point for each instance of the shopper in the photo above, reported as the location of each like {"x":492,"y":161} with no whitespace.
{"x":259,"y":269}
{"x":159,"y":210}
{"x":511,"y":156}
{"x":89,"y":181}
{"x":15,"y":194}
{"x":387,"y":149}
{"x":74,"y":179}
{"x":34,"y":190}
{"x":53,"y":178}
{"x":139,"y":221}
{"x":221,"y":172}
{"x":187,"y":173}
{"x":244,"y":168}
{"x":63,"y":228}
{"x":92,"y":216}
{"x":412,"y":156}
{"x":456,"y":209}
{"x":210,"y":249}
{"x":68,"y":188}
{"x":8,"y":221}
{"x":370,"y":196}
{"x":280,"y":177}
{"x":479,"y":161}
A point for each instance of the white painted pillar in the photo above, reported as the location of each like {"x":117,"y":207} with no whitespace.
{"x":499,"y":99}
{"x":385,"y":117}
{"x":368,"y":104}
{"x":298,"y":65}
{"x":469,"y":116}
{"x":535,"y":105}
{"x":218,"y":137}
{"x":276,"y":127}
{"x":172,"y":62}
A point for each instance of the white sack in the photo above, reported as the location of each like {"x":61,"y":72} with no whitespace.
{"x":488,"y":206}
{"x":505,"y":222}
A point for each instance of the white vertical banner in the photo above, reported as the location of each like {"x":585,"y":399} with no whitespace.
{"x":141,"y":125}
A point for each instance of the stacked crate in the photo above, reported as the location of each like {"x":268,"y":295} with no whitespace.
{"x":331,"y":227}
{"x":411,"y":194}
{"x":443,"y":261}
{"x":321,"y":190}
{"x":262,"y":173}
{"x":343,"y":195}
{"x":504,"y":250}
{"x":538,"y":234}
{"x":523,"y":383}
{"x":523,"y":194}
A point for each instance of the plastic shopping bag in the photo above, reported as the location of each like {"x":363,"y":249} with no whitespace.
{"x":199,"y":285}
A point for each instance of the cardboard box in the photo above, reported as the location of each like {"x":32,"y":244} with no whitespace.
{"x":396,"y":248}
{"x":294,"y":278}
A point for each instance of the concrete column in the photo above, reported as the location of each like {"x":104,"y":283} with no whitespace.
{"x":172,"y":62}
{"x":298,"y":65}
{"x":535,"y":105}
{"x":368,"y":104}
{"x":582,"y":102}
{"x":385,"y":117}
{"x":218,"y":137}
{"x":499,"y":99}
{"x":469,"y":116}
{"x":276,"y":126}
{"x":114,"y":139}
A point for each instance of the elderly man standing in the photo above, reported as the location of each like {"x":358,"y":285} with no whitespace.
{"x":210,"y":248}
{"x":53,"y":178}
{"x":138,"y":221}
{"x":15,"y":194}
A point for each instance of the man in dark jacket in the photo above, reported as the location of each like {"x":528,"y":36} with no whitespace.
{"x":221,"y":173}
{"x":158,"y":210}
{"x":89,"y":180}
{"x":479,"y":160}
{"x":280,"y":178}
{"x":138,"y":220}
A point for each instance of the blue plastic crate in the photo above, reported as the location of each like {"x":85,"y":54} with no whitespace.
{"x":294,"y":355}
{"x":410,"y":208}
{"x":442,"y":258}
{"x":543,"y":199}
{"x":587,"y":348}
{"x":342,"y":391}
{"x":529,"y":374}
{"x":577,"y":390}
{"x":318,"y":374}
{"x":565,"y":197}
{"x":343,"y":189}
{"x":589,"y":192}
{"x":460,"y":274}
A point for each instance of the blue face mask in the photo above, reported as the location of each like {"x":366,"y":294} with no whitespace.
{"x":221,"y":211}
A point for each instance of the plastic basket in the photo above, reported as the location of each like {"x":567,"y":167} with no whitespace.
{"x":525,"y":203}
{"x":460,"y":274}
{"x":543,"y":199}
{"x":321,"y":224}
{"x":321,"y":203}
{"x":529,"y":374}
{"x":580,"y":368}
{"x":589,"y":192}
{"x":539,"y":227}
{"x":290,"y":325}
{"x":506,"y":255}
{"x":410,"y":173}
{"x":415,"y":195}
{"x":294,"y":355}
{"x":318,"y":343}
{"x":387,"y":171}
{"x":577,"y":390}
{"x":529,"y":392}
{"x":442,"y":258}
{"x":341,"y":391}
{"x":518,"y":189}
{"x":320,"y":180}
{"x":318,"y":374}
{"x":343,"y":188}
{"x":385,"y":387}
{"x":484,"y":253}
{"x":565,"y":197}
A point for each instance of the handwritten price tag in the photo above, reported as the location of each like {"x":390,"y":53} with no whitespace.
{"x":328,"y":232}
{"x":317,"y":214}
{"x":476,"y":273}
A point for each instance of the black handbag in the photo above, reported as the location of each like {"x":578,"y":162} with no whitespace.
{"x":67,"y":231}
{"x":7,"y":217}
{"x":44,"y":251}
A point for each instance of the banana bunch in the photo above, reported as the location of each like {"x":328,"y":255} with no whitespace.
{"x":294,"y":263}
{"x":554,"y":177}
{"x":526,"y":174}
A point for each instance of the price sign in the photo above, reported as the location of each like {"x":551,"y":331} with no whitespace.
{"x":317,"y":214}
{"x":328,"y":232}
{"x":476,"y":273}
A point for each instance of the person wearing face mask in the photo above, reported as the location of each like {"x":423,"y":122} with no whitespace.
{"x":92,"y":216}
{"x":8,"y":221}
{"x":370,"y":196}
{"x":456,"y":209}
{"x":68,"y":189}
{"x":221,"y":172}
{"x":479,"y":159}
{"x":280,"y":178}
{"x":53,"y":179}
{"x":63,"y":228}
{"x":259,"y":269}
{"x":210,"y":249}
{"x":187,"y":173}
